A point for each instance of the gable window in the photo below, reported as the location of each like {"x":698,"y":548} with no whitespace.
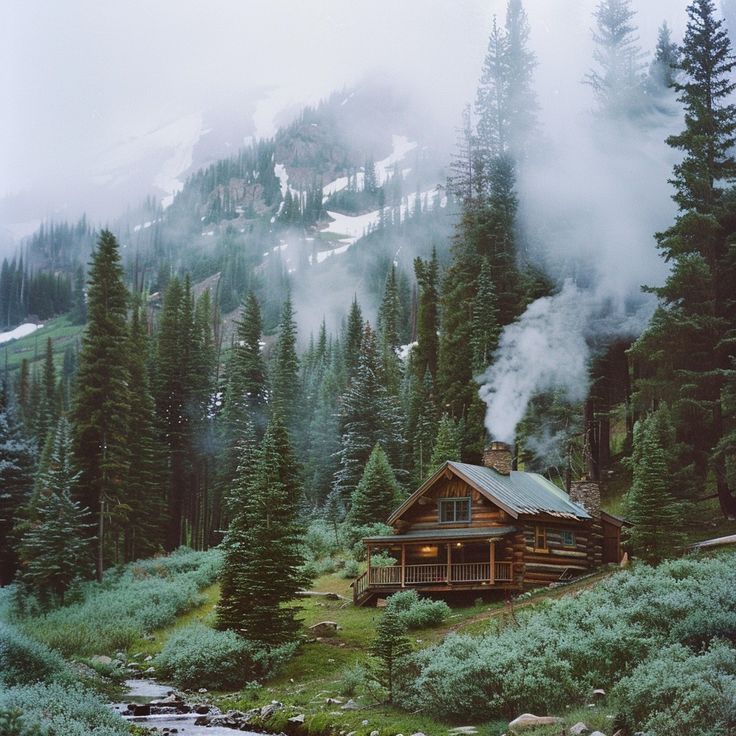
{"x":568,"y":538}
{"x":540,"y":538}
{"x":454,"y":510}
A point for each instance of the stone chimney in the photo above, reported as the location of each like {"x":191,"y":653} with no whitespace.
{"x":498,"y":456}
{"x":587,"y":493}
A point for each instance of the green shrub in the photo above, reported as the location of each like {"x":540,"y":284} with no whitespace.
{"x":131,"y":601}
{"x":680,"y":692}
{"x":382,"y":559}
{"x":415,"y":612}
{"x":24,"y":661}
{"x":352,"y":679}
{"x":350,"y":570}
{"x":354,"y":534}
{"x":319,"y":540}
{"x":197,"y":656}
{"x":562,"y":649}
{"x":53,"y":709}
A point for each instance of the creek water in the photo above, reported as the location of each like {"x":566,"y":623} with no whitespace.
{"x":144,"y":691}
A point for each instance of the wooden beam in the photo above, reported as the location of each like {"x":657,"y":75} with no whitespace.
{"x":493,"y":562}
{"x":368,"y":547}
{"x":449,"y":563}
{"x":403,"y":565}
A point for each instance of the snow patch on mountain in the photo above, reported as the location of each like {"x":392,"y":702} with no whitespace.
{"x":23,"y":330}
{"x":281,"y":174}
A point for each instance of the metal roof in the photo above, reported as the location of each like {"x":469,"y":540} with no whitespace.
{"x":429,"y":534}
{"x":520,"y":492}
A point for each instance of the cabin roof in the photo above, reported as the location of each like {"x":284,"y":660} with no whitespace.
{"x":518,"y":493}
{"x":432,"y":534}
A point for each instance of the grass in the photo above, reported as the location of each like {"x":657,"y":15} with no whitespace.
{"x":32,"y":347}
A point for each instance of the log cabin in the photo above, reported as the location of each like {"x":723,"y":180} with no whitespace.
{"x":487,"y":528}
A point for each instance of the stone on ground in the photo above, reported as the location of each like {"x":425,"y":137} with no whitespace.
{"x":529,"y":720}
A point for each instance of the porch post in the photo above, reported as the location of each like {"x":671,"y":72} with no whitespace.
{"x":493,"y":562}
{"x":449,"y":562}
{"x":403,"y":564}
{"x":368,"y":547}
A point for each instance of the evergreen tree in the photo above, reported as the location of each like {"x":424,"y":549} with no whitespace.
{"x":446,"y":444}
{"x":696,"y":317}
{"x":17,"y":458}
{"x":663,"y":69}
{"x":78,"y":313}
{"x":485,"y":328}
{"x":425,"y":353}
{"x":145,"y":482}
{"x":55,"y":545}
{"x":389,"y":315}
{"x":352,"y":340}
{"x":369,"y":416}
{"x":285,"y":373}
{"x":618,"y":79}
{"x":100,"y":415}
{"x":391,"y":648}
{"x":267,"y":570}
{"x":47,"y":408}
{"x":654,"y":514}
{"x":377,"y":494}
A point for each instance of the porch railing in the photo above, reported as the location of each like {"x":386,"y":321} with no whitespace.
{"x":465,"y":572}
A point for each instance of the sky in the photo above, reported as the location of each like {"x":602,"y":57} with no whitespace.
{"x":83,"y":80}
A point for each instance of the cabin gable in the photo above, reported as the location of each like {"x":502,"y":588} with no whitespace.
{"x":425,"y":509}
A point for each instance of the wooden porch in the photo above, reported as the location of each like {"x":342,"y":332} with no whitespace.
{"x":454,"y":567}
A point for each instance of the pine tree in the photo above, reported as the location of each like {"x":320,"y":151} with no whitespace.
{"x":47,"y":408}
{"x":369,"y":416}
{"x":389,"y":315}
{"x":55,"y":547}
{"x":446,"y":444}
{"x":377,"y":494}
{"x":618,"y":79}
{"x":17,"y":459}
{"x":696,"y":316}
{"x":267,"y":569}
{"x":78,"y":313}
{"x":425,"y":353}
{"x":663,"y":69}
{"x":352,"y":340}
{"x":485,"y":328}
{"x":145,"y":482}
{"x":390,"y":647}
{"x":100,"y":416}
{"x":285,"y":372}
{"x":653,"y":512}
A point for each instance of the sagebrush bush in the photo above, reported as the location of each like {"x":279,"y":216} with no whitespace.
{"x":197,"y":656}
{"x":319,"y":540}
{"x":415,"y":612}
{"x":562,"y":649}
{"x":678,"y":691}
{"x":131,"y":601}
{"x":61,"y":710}
{"x":24,"y":661}
{"x":351,"y":679}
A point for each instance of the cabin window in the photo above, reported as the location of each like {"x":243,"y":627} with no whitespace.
{"x":540,"y":538}
{"x":454,"y":509}
{"x":568,"y":538}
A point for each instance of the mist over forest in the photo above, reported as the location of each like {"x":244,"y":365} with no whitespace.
{"x":328,"y":324}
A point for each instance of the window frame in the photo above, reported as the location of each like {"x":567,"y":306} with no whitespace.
{"x":540,"y":534}
{"x":573,"y":540}
{"x":454,"y":502}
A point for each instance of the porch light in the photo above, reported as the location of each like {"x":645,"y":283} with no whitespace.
{"x":459,"y":544}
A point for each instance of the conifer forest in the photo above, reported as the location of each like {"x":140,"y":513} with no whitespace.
{"x":407,"y":407}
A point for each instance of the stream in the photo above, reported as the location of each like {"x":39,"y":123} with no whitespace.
{"x":145,"y":691}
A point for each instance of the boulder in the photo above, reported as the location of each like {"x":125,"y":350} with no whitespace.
{"x":324,"y":628}
{"x":202,"y":710}
{"x":268,"y":710}
{"x":529,"y":720}
{"x":139,"y":709}
{"x":598,"y":693}
{"x":333,"y":701}
{"x":297,"y":719}
{"x":101,"y":659}
{"x":459,"y":730}
{"x":375,"y":733}
{"x":597,"y":733}
{"x":578,"y":729}
{"x":350,"y":705}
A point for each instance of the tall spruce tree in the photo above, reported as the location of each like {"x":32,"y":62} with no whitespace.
{"x":697,"y":315}
{"x":101,"y":410}
{"x":446,"y":444}
{"x":285,"y":370}
{"x":55,"y":547}
{"x":485,"y":328}
{"x":377,"y":494}
{"x":425,"y":352}
{"x":17,"y":460}
{"x":267,"y":568}
{"x":390,"y":648}
{"x":654,"y":513}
